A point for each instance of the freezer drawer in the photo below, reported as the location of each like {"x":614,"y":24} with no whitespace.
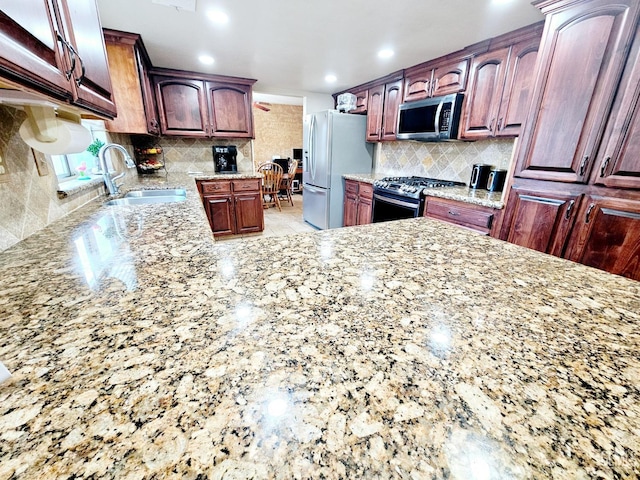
{"x":315,"y":206}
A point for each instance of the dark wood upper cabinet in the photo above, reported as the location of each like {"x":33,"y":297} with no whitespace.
{"x":230,"y":110}
{"x":31,"y":53}
{"x":129,"y":64}
{"x":362,"y":98}
{"x":539,"y":219}
{"x":449,"y":77}
{"x":518,"y":88}
{"x":203,"y":105}
{"x":482,"y":99}
{"x":435,"y":78}
{"x":56,"y":47}
{"x":618,"y":162}
{"x":584,"y":48}
{"x":606,"y":236}
{"x":375,"y":105}
{"x":92,"y":81}
{"x":182,"y":106}
{"x":392,"y":101}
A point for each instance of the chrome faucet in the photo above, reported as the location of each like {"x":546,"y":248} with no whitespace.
{"x":109,"y":181}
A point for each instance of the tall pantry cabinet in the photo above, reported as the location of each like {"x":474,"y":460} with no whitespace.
{"x":576,"y":186}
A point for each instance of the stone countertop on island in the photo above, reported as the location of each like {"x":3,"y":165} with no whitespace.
{"x":412,"y":349}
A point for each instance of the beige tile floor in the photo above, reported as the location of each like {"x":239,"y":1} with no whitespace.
{"x":276,"y":224}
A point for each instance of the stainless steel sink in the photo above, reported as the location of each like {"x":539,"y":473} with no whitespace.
{"x":179,"y":192}
{"x":139,"y":197}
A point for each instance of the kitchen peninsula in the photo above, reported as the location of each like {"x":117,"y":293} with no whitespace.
{"x":141,"y":348}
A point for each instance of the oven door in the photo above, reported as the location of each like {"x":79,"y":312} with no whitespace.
{"x":394,"y":207}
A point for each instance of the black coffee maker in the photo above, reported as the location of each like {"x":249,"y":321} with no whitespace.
{"x":224,"y":159}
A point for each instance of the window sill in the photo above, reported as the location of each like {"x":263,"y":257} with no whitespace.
{"x":73,"y":186}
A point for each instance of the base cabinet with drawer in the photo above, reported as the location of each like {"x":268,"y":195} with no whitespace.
{"x":233,"y":206}
{"x":480,"y":219}
{"x":358,"y":203}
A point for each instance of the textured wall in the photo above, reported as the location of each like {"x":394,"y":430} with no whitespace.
{"x":446,"y":160}
{"x":28,"y":201}
{"x":278,"y":131}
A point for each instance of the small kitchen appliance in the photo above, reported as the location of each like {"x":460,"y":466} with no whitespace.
{"x":225,"y":159}
{"x":431,"y":120}
{"x":480,"y":175}
{"x":495,"y":182}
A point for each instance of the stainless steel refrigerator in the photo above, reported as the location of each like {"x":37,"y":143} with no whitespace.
{"x":333,"y":144}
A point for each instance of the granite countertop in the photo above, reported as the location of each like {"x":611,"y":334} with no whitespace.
{"x":142,"y":349}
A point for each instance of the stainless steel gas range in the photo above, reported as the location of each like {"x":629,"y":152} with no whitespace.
{"x":395,"y":198}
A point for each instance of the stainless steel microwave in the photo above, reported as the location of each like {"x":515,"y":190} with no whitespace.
{"x":430,"y":120}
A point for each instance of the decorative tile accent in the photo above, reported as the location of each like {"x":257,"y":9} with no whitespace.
{"x":446,"y":160}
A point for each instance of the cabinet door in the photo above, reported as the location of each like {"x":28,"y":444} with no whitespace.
{"x":518,"y":89}
{"x":127,"y":90}
{"x":182,"y":106}
{"x":583,"y":51}
{"x":450,"y":78}
{"x":220,"y":212}
{"x":539,"y":220}
{"x":618,"y":161}
{"x":480,"y":110}
{"x":92,"y":84}
{"x":392,"y":101}
{"x":148,"y":96}
{"x":350,"y":211}
{"x":608,"y":236}
{"x":30,"y":52}
{"x":375,"y":106}
{"x":417,"y":83}
{"x":364,"y":213}
{"x":230,"y":110}
{"x":249,"y":213}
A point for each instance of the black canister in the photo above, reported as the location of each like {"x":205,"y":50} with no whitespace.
{"x":495,"y":182}
{"x":480,"y":175}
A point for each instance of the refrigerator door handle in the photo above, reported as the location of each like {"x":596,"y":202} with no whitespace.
{"x":312,"y":141}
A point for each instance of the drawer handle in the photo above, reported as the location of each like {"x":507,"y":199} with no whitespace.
{"x":453,"y":213}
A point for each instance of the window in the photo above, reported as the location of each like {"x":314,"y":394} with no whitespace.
{"x":66,"y":166}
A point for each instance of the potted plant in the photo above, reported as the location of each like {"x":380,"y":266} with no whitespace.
{"x":93,"y":148}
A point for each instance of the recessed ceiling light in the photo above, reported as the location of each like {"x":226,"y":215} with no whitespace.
{"x":385,"y":53}
{"x":330,"y":78}
{"x":206,"y":59}
{"x":216,"y":16}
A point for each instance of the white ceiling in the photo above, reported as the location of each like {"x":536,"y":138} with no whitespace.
{"x":289,"y":46}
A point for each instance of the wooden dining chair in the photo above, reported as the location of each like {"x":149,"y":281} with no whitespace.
{"x":287,"y":183}
{"x":271,"y":178}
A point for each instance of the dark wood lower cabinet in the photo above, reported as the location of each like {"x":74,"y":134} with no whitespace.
{"x":221,"y":214}
{"x":540,"y":220}
{"x":477,"y":218}
{"x":607,"y":235}
{"x":358,"y":203}
{"x":233,"y":207}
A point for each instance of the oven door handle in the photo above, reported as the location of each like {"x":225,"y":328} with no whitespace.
{"x":395,"y":201}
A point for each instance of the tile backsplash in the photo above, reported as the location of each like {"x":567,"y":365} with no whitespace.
{"x":444,"y":160}
{"x":195,"y":154}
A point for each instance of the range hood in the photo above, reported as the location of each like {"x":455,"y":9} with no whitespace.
{"x":49,"y":128}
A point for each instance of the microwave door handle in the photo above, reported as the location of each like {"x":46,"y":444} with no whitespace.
{"x":438,"y":113}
